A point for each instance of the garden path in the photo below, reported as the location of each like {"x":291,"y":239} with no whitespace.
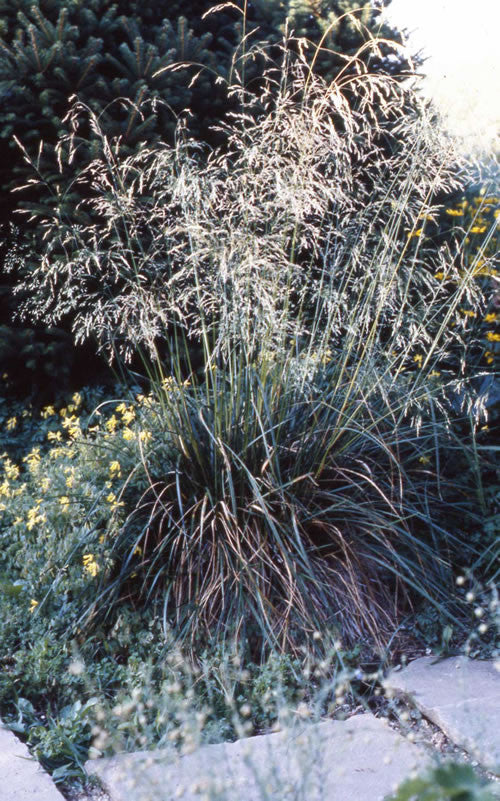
{"x":360,"y":759}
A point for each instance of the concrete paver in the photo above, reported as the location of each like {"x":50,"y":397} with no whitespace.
{"x":461,"y":696}
{"x":22,"y":779}
{"x":360,"y":759}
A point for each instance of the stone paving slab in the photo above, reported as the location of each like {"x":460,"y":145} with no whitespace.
{"x":461,"y":696}
{"x":21,"y":777}
{"x":360,"y":759}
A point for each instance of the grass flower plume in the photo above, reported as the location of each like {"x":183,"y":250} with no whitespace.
{"x":302,"y":335}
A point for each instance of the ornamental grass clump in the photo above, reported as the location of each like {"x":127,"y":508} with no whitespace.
{"x":304,"y":364}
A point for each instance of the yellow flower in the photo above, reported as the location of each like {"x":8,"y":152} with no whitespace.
{"x":112,"y":423}
{"x":111,"y":499}
{"x":64,"y":502}
{"x":5,"y":489}
{"x":55,"y":453}
{"x":34,"y":518}
{"x":90,"y":565}
{"x":478,"y":229}
{"x":418,"y":232}
{"x":480,"y":270}
{"x":455,"y":212}
{"x":168,"y":384}
{"x":54,"y":436}
{"x":128,"y":434}
{"x":418,"y":358}
{"x":72,"y":424}
{"x":492,"y":337}
{"x":128,"y":415}
{"x":488,"y":355}
{"x":11,"y":423}
{"x":434,"y":374}
{"x":145,"y":400}
{"x":11,"y":470}
{"x":145,"y":436}
{"x":439,"y":275}
{"x":33,"y":460}
{"x":45,"y":483}
{"x":33,"y":605}
{"x":47,"y":411}
{"x":424,"y":460}
{"x":121,"y":408}
{"x":468,"y":312}
{"x":115,"y":469}
{"x":490,"y":318}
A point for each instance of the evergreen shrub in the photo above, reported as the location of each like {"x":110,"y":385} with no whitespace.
{"x":138,"y":66}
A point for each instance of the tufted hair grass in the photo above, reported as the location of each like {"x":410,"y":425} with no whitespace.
{"x":298,"y":326}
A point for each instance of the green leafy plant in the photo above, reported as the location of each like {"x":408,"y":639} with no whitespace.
{"x":66,"y":738}
{"x":447,"y":782}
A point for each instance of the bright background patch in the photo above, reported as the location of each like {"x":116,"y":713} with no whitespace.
{"x":461,"y":40}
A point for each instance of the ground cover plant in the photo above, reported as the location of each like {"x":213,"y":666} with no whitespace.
{"x":289,"y":461}
{"x":447,"y":782}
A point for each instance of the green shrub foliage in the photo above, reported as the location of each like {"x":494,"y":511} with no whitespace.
{"x":56,"y":50}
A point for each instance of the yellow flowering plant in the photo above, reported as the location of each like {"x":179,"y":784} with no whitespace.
{"x":63,"y":502}
{"x":477,"y":212}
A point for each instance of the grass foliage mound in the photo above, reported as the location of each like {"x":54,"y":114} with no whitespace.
{"x":292,"y":466}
